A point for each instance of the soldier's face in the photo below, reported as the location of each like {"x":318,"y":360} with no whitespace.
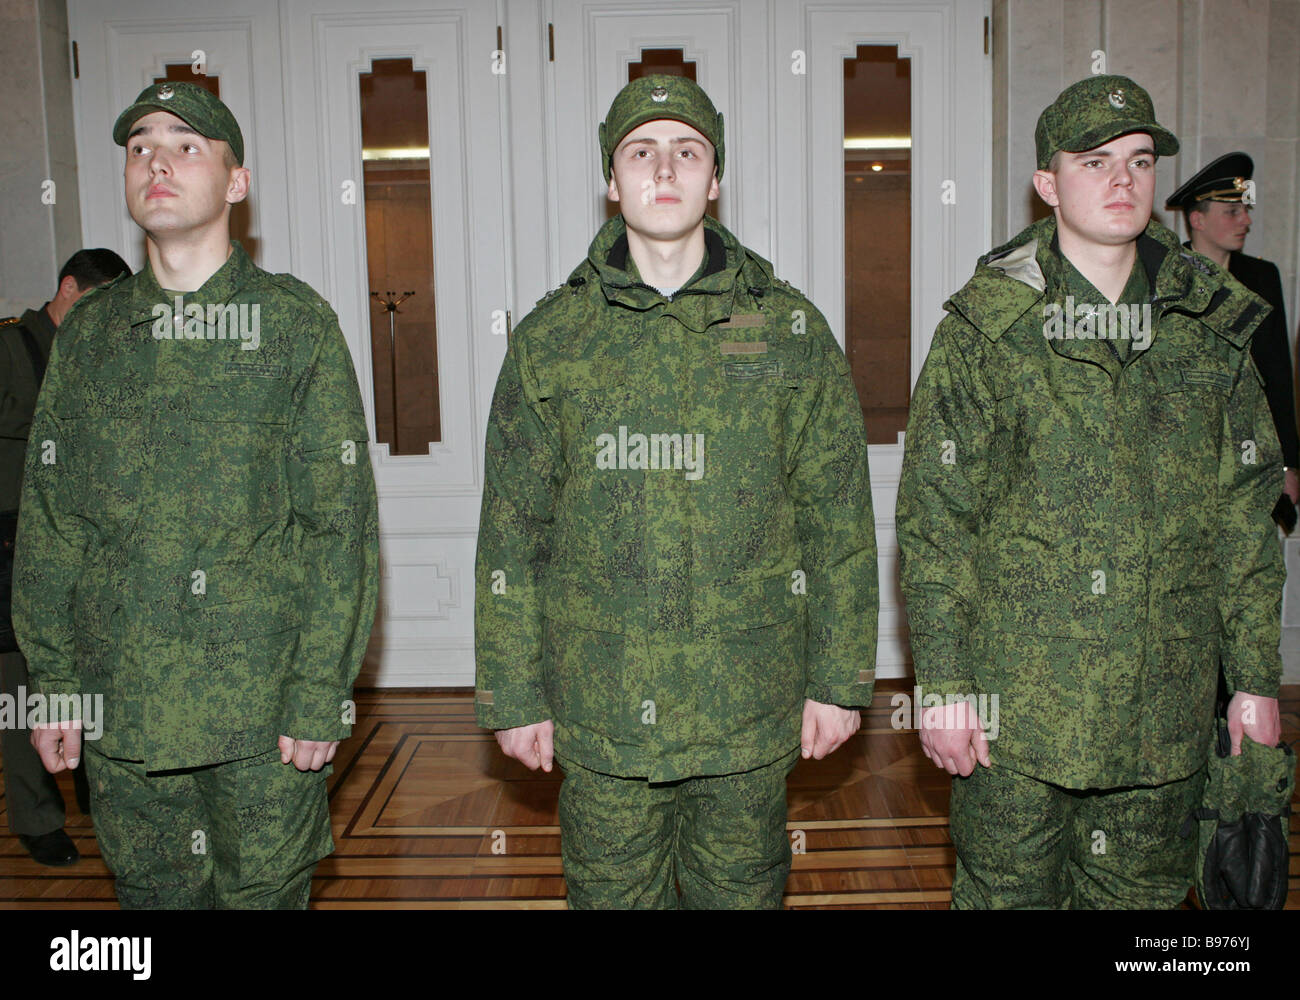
{"x":1222,"y":224}
{"x":178,"y":181}
{"x":662,"y":178}
{"x":1103,"y":196}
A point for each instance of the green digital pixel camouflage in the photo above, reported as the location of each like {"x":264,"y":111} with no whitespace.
{"x":629,"y":844}
{"x":672,"y":621}
{"x":246,"y":834}
{"x":198,"y":539}
{"x":1086,"y":539}
{"x":1027,"y":844}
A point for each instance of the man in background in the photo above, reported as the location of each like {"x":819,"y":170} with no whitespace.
{"x":32,"y":797}
{"x":1217,"y":201}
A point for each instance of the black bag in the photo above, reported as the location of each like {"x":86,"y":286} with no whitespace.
{"x":1242,"y":856}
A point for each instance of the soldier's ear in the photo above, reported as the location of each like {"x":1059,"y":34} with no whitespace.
{"x":1045,"y":185}
{"x":69,"y":289}
{"x":613,"y":187}
{"x":237,"y":189}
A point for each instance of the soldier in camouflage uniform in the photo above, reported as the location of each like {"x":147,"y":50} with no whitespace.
{"x":676,"y":573}
{"x":1083,"y":524}
{"x":199,"y":538}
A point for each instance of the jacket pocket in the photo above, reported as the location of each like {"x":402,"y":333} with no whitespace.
{"x":101,"y":446}
{"x":234,"y":438}
{"x":1043,"y":692}
{"x":238,"y":399}
{"x":1182,"y":677}
{"x":751,"y":679}
{"x":233,"y":664}
{"x":243,"y":619}
{"x":591,"y":684}
{"x":747,"y":605}
{"x":1034,"y":582}
{"x":1188,"y":581}
{"x":589,"y":599}
{"x":593,"y":403}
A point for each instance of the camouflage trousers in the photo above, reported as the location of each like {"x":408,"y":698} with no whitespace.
{"x":245,"y":834}
{"x":1025,"y":843}
{"x":629,"y":844}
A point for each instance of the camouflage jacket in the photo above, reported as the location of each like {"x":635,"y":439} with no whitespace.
{"x":1084,"y":539}
{"x":671,"y":607}
{"x":198,"y":540}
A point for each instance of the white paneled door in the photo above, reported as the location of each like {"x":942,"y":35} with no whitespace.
{"x":429,"y":503}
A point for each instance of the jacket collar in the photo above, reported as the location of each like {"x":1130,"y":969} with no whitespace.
{"x":39,"y":323}
{"x":1025,"y":273}
{"x":730,"y":273}
{"x":224,"y":283}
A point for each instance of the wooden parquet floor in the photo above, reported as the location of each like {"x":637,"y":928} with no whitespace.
{"x":428,"y":814}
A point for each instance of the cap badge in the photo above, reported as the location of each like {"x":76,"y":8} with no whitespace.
{"x":165,"y":92}
{"x":1116,"y":98}
{"x":659,"y":94}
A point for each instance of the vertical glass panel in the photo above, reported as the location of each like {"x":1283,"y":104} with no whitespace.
{"x":670,"y":61}
{"x":878,"y":235}
{"x":184,"y":73}
{"x":399,"y":249}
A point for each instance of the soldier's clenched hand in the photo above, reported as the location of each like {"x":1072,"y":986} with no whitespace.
{"x":1253,"y":716}
{"x":825,"y":727}
{"x":58,"y":744}
{"x":953,"y":737}
{"x":307,"y":755}
{"x":530,"y":745}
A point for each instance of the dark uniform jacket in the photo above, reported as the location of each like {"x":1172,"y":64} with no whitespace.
{"x":669,"y":619}
{"x":198,"y":540}
{"x":1102,"y":537}
{"x":1270,"y":347}
{"x":18,"y":391}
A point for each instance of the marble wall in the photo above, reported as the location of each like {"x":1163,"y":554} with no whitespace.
{"x":36,"y":237}
{"x":1224,"y":75}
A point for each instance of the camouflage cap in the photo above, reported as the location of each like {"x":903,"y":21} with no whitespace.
{"x":660,"y":96}
{"x":192,"y":104}
{"x":1094,"y":111}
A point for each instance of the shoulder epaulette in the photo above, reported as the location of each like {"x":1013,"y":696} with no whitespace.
{"x":1200,"y":263}
{"x":299,"y":289}
{"x":9,"y":320}
{"x":549,"y":295}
